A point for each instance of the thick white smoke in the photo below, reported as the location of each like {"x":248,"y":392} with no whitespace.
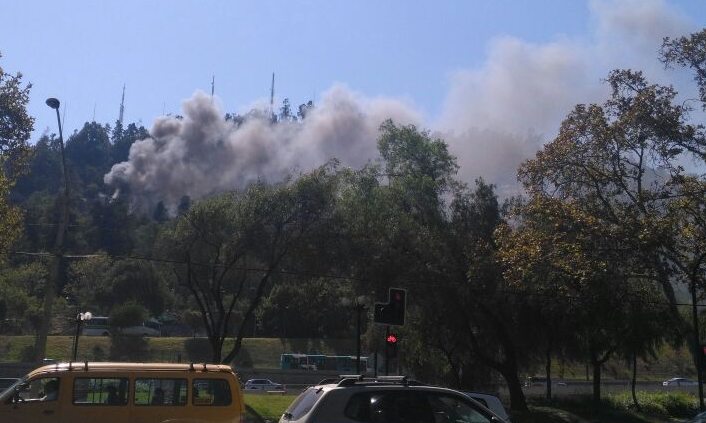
{"x":494,"y":116}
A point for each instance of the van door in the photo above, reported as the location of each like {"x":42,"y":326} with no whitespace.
{"x":98,"y":398}
{"x":38,"y":400}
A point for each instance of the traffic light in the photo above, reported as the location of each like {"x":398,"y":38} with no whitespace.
{"x":391,"y":342}
{"x":391,"y":312}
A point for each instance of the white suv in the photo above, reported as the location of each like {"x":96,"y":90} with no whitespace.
{"x":385,"y":399}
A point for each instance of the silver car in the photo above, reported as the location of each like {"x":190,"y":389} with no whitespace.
{"x":262,"y":385}
{"x":357,"y":399}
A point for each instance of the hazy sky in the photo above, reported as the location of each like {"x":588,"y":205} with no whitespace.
{"x":494,"y":76}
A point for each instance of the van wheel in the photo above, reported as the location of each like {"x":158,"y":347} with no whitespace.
{"x":106,"y":333}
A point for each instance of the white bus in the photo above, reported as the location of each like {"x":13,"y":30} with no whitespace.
{"x":100,"y":326}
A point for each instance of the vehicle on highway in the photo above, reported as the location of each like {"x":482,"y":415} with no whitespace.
{"x":680,"y":381}
{"x":262,"y":385}
{"x":125,"y":392}
{"x":541,"y":381}
{"x":490,"y":401}
{"x":100,"y":326}
{"x":385,"y":399}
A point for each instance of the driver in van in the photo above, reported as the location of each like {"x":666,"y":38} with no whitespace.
{"x":51,"y":390}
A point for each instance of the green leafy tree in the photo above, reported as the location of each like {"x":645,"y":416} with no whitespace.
{"x":403,"y":229}
{"x":611,"y":171}
{"x":688,"y":52}
{"x":127,"y":314}
{"x":233,"y":244}
{"x":15,"y":129}
{"x":323,"y":317}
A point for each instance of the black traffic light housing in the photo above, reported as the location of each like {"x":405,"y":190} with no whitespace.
{"x":392,"y":312}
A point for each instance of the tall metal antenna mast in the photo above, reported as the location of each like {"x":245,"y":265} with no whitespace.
{"x":122,"y":107}
{"x":213,"y":84}
{"x":272,"y":94}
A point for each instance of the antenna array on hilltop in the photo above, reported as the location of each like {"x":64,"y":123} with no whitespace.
{"x":122,"y":107}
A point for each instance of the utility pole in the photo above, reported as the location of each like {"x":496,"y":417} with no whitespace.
{"x":53,"y":282}
{"x":698,"y":352}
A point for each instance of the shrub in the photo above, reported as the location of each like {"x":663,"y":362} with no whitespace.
{"x":129,"y":348}
{"x":675,"y":404}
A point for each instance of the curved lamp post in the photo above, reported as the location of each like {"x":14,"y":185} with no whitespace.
{"x":360,"y":304}
{"x":55,"y":269}
{"x":80,"y":318}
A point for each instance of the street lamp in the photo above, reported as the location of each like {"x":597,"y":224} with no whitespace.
{"x":80,"y":318}
{"x":55,"y":269}
{"x":360,"y":303}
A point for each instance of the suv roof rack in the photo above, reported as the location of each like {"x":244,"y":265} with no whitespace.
{"x":351,"y":380}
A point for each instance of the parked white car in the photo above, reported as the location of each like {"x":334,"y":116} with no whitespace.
{"x":262,"y":385}
{"x":680,"y":381}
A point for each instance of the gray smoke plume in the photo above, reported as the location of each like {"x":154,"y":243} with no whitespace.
{"x":502,"y":113}
{"x":494,"y":117}
{"x":203,"y":154}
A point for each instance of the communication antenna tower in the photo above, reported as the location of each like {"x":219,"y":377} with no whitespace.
{"x":122,"y":107}
{"x":272,"y":94}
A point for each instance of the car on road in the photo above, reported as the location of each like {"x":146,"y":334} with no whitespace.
{"x":262,"y":385}
{"x":680,"y":381}
{"x":490,"y":401}
{"x":385,"y":399}
{"x":541,"y":381}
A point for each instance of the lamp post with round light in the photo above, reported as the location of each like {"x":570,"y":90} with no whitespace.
{"x":80,"y":318}
{"x":360,"y":303}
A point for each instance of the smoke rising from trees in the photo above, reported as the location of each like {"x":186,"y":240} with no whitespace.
{"x":203,"y":154}
{"x":494,"y":117}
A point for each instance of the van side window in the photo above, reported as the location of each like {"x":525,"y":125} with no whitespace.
{"x":43,"y":389}
{"x":160,"y":391}
{"x":211,"y":392}
{"x":100,"y":391}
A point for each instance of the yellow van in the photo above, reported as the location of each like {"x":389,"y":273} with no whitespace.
{"x":125,"y":392}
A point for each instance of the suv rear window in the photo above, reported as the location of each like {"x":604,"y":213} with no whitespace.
{"x":411,"y":407}
{"x":303,"y":403}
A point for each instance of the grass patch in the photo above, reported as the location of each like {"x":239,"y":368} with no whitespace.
{"x":619,"y":408}
{"x":269,"y":407}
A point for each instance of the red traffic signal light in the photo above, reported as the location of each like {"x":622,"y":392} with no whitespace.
{"x":391,"y":341}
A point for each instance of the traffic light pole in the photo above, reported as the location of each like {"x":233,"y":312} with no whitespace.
{"x":698,"y":349}
{"x":387,"y":351}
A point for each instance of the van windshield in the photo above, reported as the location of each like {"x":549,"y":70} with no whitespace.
{"x":7,"y":393}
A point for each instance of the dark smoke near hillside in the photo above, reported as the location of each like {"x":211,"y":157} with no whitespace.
{"x":203,"y":154}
